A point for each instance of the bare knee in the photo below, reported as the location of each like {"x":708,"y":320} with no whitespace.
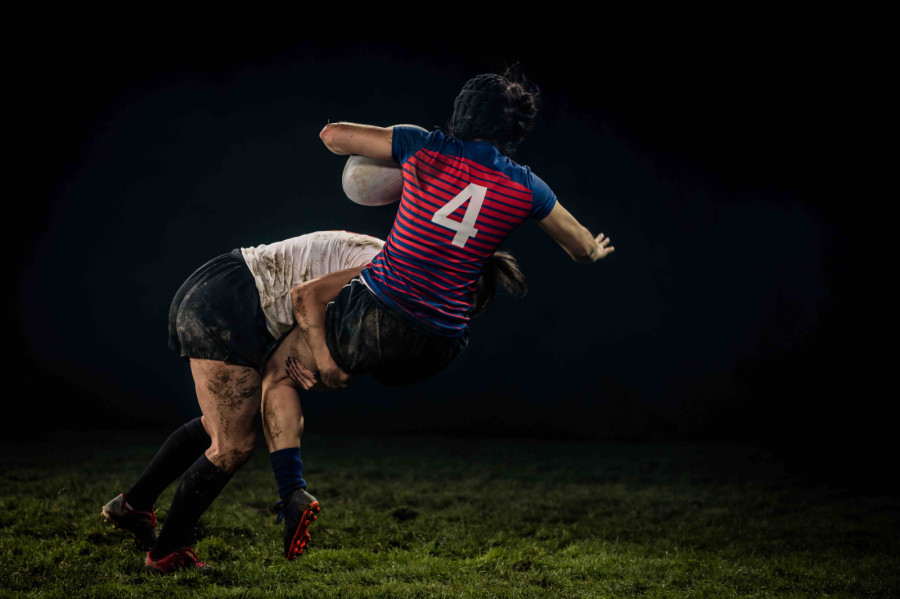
{"x":232,"y":452}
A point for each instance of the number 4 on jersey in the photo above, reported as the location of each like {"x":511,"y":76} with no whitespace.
{"x":466,"y":228}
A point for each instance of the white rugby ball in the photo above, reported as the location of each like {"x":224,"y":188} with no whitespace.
{"x":371,"y":182}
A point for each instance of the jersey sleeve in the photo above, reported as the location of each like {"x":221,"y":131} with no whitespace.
{"x":542,"y":198}
{"x":406,"y":142}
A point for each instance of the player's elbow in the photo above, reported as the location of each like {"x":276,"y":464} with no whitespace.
{"x":331,"y":135}
{"x":299,"y":295}
{"x":308,"y":293}
{"x":327,"y":133}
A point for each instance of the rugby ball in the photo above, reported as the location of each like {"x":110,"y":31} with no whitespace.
{"x":371,"y":182}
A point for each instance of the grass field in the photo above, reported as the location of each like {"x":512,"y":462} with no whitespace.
{"x":446,"y":517}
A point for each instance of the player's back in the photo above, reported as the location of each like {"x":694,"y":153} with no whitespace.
{"x":460,"y":200}
{"x":279,"y":266}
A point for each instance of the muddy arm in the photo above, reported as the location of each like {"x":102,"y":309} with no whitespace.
{"x":309,"y":301}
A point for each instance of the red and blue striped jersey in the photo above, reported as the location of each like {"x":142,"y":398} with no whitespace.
{"x":460,"y":200}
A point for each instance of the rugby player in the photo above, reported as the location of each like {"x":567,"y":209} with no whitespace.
{"x":232,"y":319}
{"x":462,"y":196}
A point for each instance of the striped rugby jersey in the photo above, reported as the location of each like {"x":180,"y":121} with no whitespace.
{"x":460,"y":200}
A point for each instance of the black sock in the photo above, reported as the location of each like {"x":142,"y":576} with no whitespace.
{"x":201,"y":484}
{"x":174,"y":457}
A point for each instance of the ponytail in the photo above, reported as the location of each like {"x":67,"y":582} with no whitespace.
{"x":500,"y":268}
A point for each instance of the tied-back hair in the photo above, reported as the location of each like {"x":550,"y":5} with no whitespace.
{"x":499,"y":269}
{"x":499,"y":108}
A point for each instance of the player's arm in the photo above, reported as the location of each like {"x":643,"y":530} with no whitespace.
{"x":351,"y":138}
{"x":578,"y":242}
{"x":309,"y":301}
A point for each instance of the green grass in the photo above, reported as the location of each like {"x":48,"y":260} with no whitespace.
{"x":443,"y":517}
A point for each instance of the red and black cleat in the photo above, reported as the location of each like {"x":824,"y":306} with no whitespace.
{"x":299,"y":512}
{"x":142,"y":525}
{"x":180,"y":559}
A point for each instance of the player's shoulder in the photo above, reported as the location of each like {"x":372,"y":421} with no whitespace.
{"x":408,"y":140}
{"x":520,"y":173}
{"x":437,"y":139}
{"x":415,"y":135}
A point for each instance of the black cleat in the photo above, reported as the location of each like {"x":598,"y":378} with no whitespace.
{"x":142,"y":525}
{"x":299,"y":512}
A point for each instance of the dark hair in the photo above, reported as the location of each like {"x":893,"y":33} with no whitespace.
{"x":500,"y":268}
{"x":499,"y":108}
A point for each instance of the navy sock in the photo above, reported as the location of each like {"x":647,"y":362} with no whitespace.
{"x":288,"y":470}
{"x":201,"y":484}
{"x":178,"y":452}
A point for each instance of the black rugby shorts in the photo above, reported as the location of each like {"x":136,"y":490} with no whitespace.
{"x":216,"y":315}
{"x":365,"y":337}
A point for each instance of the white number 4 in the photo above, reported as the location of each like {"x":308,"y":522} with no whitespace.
{"x":466,"y":228}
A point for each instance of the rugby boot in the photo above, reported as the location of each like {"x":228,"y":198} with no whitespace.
{"x":180,"y":559}
{"x":299,"y":512}
{"x":141,"y":525}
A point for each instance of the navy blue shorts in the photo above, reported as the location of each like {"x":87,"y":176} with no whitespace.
{"x":216,"y":315}
{"x":365,"y":337}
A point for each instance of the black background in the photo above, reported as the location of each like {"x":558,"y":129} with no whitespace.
{"x":711,"y":159}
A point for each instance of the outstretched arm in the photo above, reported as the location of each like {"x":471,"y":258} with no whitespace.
{"x":309,"y":301}
{"x":351,"y":138}
{"x":578,"y":242}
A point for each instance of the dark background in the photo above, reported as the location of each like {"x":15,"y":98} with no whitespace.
{"x":710,"y":159}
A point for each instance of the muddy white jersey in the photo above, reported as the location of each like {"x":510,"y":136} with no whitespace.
{"x":279,"y":266}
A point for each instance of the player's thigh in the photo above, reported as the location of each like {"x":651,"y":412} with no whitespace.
{"x":274,"y":372}
{"x":229,"y":397}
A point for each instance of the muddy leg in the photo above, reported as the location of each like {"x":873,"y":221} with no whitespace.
{"x":229,"y":398}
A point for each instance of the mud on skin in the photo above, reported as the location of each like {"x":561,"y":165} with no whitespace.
{"x":271,"y":422}
{"x":232,"y":388}
{"x":234,"y":459}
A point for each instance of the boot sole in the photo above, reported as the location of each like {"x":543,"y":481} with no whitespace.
{"x":300,"y":539}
